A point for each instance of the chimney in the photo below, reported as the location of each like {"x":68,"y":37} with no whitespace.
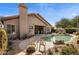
{"x":23,"y":19}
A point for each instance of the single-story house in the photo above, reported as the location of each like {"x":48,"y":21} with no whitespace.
{"x":24,"y":23}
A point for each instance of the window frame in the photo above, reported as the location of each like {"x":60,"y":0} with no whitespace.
{"x":11,"y":28}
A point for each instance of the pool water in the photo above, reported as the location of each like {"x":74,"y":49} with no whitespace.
{"x":58,"y":37}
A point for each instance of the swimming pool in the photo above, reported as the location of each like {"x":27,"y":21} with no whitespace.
{"x":66,"y":38}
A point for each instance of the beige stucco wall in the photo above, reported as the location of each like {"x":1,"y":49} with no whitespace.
{"x":48,"y":29}
{"x":32,"y":21}
{"x":35,"y":21}
{"x":13,"y":22}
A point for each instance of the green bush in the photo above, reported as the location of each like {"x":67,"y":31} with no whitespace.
{"x":53,"y":30}
{"x":70,"y":30}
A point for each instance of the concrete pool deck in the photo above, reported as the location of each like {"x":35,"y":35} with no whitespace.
{"x":23,"y":44}
{"x":73,"y":38}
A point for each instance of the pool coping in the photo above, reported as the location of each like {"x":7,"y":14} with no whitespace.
{"x":73,"y":37}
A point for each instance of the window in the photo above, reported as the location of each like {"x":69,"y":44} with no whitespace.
{"x":13,"y":28}
{"x":10,"y":28}
{"x":30,"y":27}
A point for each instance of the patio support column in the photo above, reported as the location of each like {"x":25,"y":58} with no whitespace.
{"x":44,"y":30}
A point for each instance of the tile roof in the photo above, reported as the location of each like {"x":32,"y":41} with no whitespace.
{"x":35,"y":14}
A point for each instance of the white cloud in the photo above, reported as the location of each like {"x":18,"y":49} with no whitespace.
{"x":74,"y":14}
{"x":6,"y":15}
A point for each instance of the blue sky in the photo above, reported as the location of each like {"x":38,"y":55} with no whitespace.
{"x":51,"y":12}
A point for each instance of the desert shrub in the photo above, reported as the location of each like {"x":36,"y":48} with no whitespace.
{"x":70,"y":30}
{"x":77,"y":33}
{"x":9,"y":46}
{"x":65,"y":51}
{"x":30,"y":50}
{"x":67,"y":44}
{"x":50,"y":52}
{"x":56,"y":50}
{"x":70,"y":50}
